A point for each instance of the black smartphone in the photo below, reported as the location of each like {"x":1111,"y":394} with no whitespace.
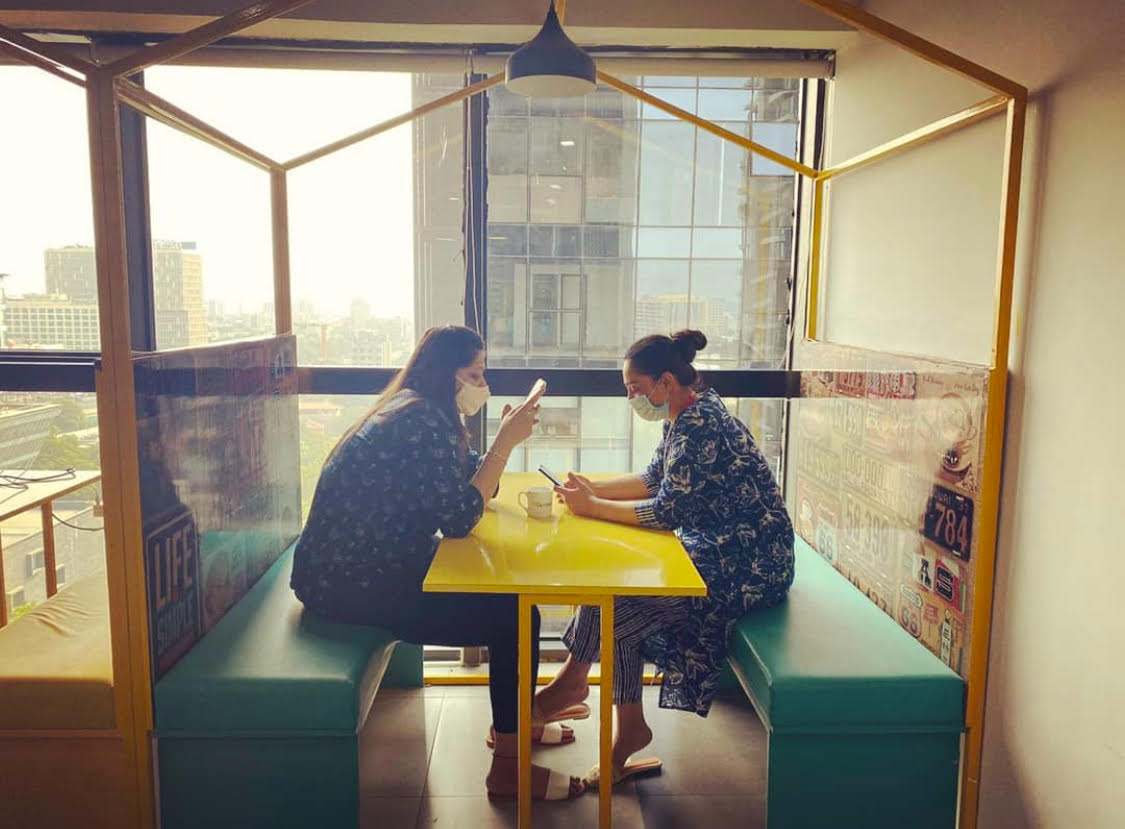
{"x":549,"y":476}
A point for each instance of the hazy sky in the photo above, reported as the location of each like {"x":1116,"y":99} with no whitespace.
{"x":351,"y":214}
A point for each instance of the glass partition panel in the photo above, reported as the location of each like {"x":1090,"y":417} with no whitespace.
{"x":376,"y":240}
{"x":48,"y":282}
{"x":911,"y":242}
{"x":884,"y":482}
{"x":44,"y":435}
{"x":212,"y":254}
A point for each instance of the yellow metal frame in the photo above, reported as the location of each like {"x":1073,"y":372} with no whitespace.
{"x":107,"y":86}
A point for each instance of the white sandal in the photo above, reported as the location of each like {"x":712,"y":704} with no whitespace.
{"x":558,"y":788}
{"x":553,"y":734}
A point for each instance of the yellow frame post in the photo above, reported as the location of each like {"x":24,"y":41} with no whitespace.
{"x":992,"y":470}
{"x":526,"y":604}
{"x":816,"y":250}
{"x":605,"y":712}
{"x":279,"y":214}
{"x":120,"y":471}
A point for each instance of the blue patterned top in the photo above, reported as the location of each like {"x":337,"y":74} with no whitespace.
{"x":379,"y":502}
{"x":710,"y":483}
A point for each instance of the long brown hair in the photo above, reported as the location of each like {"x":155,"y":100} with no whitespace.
{"x":431,"y":371}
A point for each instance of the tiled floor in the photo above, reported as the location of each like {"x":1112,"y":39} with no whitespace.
{"x":423,"y":763}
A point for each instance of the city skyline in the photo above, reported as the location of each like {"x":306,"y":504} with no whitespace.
{"x":199,"y":193}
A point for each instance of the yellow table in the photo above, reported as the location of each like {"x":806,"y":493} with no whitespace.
{"x":561,"y":560}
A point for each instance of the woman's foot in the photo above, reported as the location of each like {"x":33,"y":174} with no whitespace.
{"x":542,"y":733}
{"x":568,"y":688}
{"x":503,"y":779}
{"x":628,"y":741}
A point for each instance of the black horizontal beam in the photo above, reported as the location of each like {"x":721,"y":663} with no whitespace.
{"x":560,"y":381}
{"x":47,"y":374}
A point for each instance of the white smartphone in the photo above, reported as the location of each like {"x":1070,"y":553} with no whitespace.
{"x":546,"y":473}
{"x":537,"y":391}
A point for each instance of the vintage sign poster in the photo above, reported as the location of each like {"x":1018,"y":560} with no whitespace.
{"x":220,"y":482}
{"x":172,"y":565}
{"x":886,"y":460}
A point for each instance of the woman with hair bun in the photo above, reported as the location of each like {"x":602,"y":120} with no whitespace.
{"x":709,"y":482}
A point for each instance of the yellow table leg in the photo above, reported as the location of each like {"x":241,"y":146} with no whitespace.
{"x":526,"y":604}
{"x":605,"y":791}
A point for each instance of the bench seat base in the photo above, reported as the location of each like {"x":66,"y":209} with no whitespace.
{"x":865,"y":781}
{"x":259,"y":781}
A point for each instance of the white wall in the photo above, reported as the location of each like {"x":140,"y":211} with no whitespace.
{"x":1054,"y":748}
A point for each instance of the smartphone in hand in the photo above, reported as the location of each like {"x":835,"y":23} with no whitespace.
{"x":547,"y":474}
{"x":537,"y":391}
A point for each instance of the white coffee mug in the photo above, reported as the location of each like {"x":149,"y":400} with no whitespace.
{"x":536,"y":501}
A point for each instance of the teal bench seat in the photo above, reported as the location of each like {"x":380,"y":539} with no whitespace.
{"x":864,"y":722}
{"x":258,"y":724}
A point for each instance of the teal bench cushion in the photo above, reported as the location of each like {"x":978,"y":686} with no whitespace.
{"x":268,"y":666}
{"x":828,"y":659}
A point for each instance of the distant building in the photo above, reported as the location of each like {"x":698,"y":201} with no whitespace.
{"x":177,"y":287}
{"x":22,"y":432}
{"x":50,"y":321}
{"x":72,"y":271}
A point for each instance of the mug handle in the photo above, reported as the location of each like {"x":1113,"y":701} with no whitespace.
{"x":520,"y":499}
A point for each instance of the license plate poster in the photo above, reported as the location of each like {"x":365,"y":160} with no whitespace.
{"x":885,"y":484}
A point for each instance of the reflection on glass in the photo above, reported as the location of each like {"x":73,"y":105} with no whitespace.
{"x":716,"y":243}
{"x":682,"y":98}
{"x":667,"y":173}
{"x":725,"y":104}
{"x":721,"y":171}
{"x":781,"y":138}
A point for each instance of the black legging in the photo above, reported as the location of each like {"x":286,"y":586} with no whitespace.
{"x":460,"y":620}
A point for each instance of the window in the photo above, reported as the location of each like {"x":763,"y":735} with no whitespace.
{"x":48,"y":284}
{"x":376,"y":239}
{"x":33,"y":563}
{"x":657,"y":225}
{"x":323,"y":419}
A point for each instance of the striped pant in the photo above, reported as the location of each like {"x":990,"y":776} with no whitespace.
{"x":635,"y":618}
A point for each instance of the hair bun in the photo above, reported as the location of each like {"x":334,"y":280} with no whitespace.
{"x":688,"y":342}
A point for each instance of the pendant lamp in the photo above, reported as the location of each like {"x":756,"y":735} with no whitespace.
{"x":550,"y":65}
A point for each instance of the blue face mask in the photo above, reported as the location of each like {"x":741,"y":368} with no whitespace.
{"x":647,"y":410}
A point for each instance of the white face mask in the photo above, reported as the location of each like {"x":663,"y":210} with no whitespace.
{"x":471,"y":398}
{"x":646,"y":409}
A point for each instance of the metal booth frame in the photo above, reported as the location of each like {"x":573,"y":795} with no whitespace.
{"x":107,"y":86}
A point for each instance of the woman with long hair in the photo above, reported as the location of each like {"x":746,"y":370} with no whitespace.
{"x":399,"y":475}
{"x":709,"y":482}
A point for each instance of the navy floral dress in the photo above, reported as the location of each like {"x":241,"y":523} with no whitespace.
{"x":371,"y":531}
{"x":709,"y":482}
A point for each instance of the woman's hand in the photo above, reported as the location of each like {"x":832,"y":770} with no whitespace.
{"x":516,"y":425}
{"x":579,"y":496}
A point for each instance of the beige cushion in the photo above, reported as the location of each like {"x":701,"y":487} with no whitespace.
{"x":56,"y":665}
